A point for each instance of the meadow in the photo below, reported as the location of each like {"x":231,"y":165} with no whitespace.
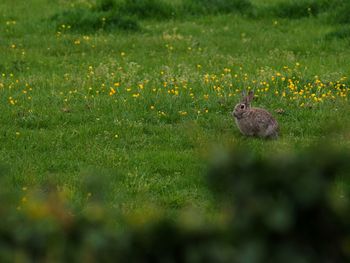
{"x":144,"y":100}
{"x":117,"y":141}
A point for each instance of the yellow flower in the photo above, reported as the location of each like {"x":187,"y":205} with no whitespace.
{"x":112,"y":91}
{"x":12,"y":101}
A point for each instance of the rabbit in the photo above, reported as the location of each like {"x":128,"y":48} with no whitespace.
{"x":254,"y":121}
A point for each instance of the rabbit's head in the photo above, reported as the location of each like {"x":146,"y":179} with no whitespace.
{"x":243,"y":107}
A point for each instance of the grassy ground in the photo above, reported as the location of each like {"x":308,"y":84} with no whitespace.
{"x":150,"y":107}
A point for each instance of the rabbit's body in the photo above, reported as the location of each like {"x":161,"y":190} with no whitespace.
{"x":254,"y":121}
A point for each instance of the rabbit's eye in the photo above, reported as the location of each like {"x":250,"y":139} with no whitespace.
{"x":242,"y":106}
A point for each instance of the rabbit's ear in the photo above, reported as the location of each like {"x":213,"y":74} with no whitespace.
{"x":243,"y":95}
{"x":250,"y":96}
{"x":246,"y":99}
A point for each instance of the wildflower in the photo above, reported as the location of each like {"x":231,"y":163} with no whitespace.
{"x":13,"y":22}
{"x":12,"y":101}
{"x":161,"y":113}
{"x":112,"y":91}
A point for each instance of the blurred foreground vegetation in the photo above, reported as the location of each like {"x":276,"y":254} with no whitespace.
{"x":288,"y":208}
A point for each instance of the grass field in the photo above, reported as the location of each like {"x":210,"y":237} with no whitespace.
{"x":147,"y":108}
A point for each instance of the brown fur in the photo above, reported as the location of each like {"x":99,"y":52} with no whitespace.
{"x":254,"y":121}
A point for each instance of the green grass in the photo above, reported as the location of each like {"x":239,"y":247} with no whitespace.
{"x":155,"y":143}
